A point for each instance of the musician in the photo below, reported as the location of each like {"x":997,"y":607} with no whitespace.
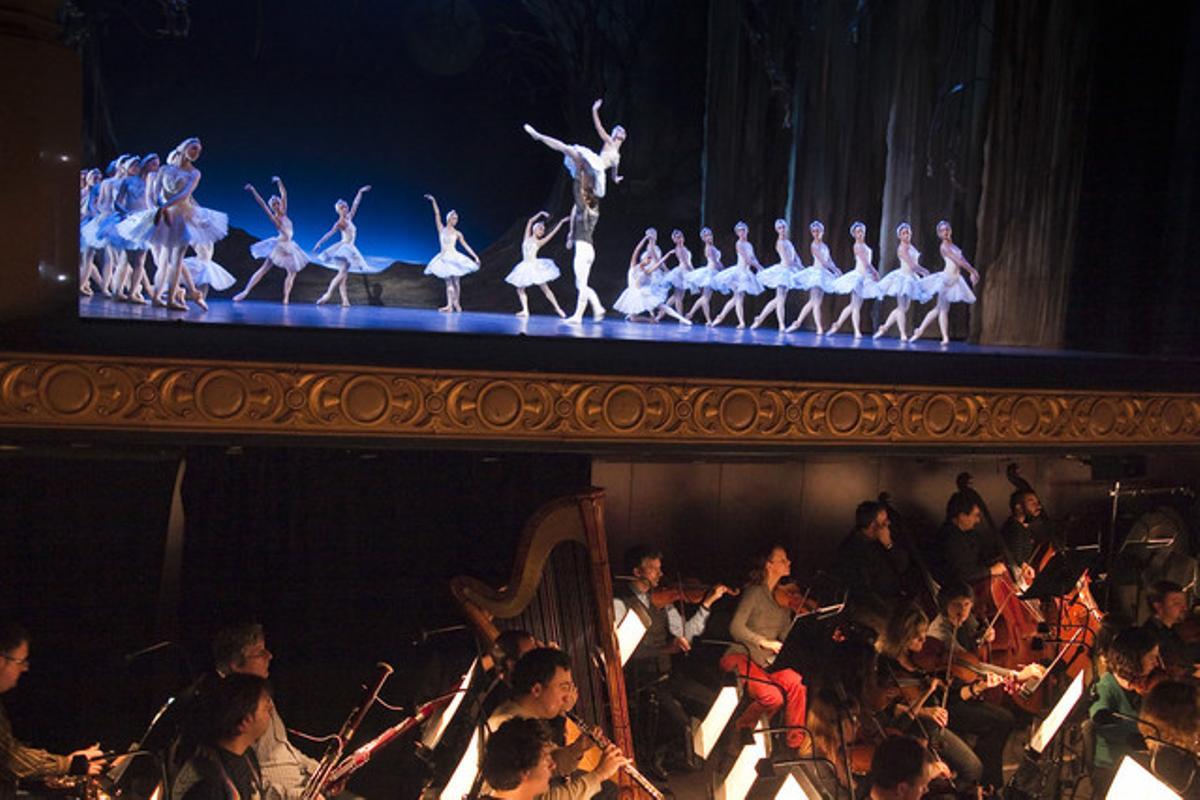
{"x":507,"y":650}
{"x":900,"y":770}
{"x":1168,"y":607}
{"x":1131,"y":656}
{"x":875,"y":571}
{"x":1171,"y":723}
{"x":237,"y":713}
{"x":18,"y":761}
{"x":543,"y":689}
{"x":1026,"y":527}
{"x":826,"y":714}
{"x":517,"y":764}
{"x":649,"y":669}
{"x":242,"y":649}
{"x":961,"y":553}
{"x":969,"y":714}
{"x":759,"y":626}
{"x":903,"y":682}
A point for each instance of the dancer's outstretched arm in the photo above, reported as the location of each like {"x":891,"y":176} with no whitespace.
{"x":955,"y":255}
{"x":529,"y":224}
{"x":637,"y":250}
{"x":604,"y":136}
{"x":249,"y":187}
{"x":553,"y":231}
{"x":437,"y":214}
{"x":283,"y":198}
{"x":329,"y":233}
{"x":357,"y":200}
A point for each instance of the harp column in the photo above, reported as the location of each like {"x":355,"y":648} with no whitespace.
{"x":40,"y":92}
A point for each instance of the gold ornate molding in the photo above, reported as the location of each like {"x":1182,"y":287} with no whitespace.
{"x":162,"y":396}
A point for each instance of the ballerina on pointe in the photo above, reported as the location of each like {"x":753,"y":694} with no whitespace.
{"x":738,"y":280}
{"x":903,"y":283}
{"x":344,"y":256}
{"x":700,"y":280}
{"x":949,"y":284}
{"x":534,"y":271}
{"x":817,"y":279}
{"x":277,"y":251}
{"x":861,"y":283}
{"x":449,"y":264}
{"x":780,"y":277}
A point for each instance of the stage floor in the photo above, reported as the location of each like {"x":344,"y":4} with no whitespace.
{"x":613,"y":327}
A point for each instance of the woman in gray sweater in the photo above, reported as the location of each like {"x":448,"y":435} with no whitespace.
{"x":759,"y":625}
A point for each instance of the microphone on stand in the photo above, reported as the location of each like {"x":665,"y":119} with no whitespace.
{"x":425,"y":635}
{"x":154,"y":648}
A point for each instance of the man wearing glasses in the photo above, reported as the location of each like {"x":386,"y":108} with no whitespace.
{"x":18,"y":761}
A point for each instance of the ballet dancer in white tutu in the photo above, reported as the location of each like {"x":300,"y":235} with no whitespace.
{"x":534,"y":271}
{"x":780,"y":277}
{"x":89,"y":192}
{"x":948,"y":285}
{"x":96,"y":229}
{"x":206,"y":273}
{"x":576,"y":156}
{"x":903,"y":283}
{"x":449,"y":264}
{"x":676,"y":278}
{"x":700,"y":280}
{"x":585,"y":213}
{"x":861,"y":283}
{"x":817,"y":279}
{"x":279,"y":250}
{"x":344,"y":255}
{"x":178,"y":220}
{"x":738,"y":280}
{"x":132,"y":197}
{"x":643,"y":295}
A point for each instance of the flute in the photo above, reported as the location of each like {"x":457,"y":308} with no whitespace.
{"x":597,"y":736}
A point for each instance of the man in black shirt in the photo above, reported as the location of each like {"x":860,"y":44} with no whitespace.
{"x":224,"y":766}
{"x":1169,"y":607}
{"x":873,"y":569}
{"x":961,"y":554}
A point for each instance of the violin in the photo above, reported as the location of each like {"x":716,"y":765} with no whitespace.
{"x":1147,"y":682}
{"x":794,"y":598}
{"x":687,"y":590}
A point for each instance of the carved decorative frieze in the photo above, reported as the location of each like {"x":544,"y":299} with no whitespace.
{"x":126,"y":394}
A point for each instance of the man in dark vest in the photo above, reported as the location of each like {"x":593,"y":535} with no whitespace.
{"x":650,"y":679}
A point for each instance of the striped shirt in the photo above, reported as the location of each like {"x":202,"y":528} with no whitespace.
{"x":19,"y":761}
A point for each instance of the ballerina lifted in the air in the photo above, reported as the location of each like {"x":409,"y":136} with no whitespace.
{"x":608,"y":158}
{"x":534,"y":271}
{"x":277,"y":251}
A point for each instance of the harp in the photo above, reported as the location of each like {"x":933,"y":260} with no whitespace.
{"x":561,"y":591}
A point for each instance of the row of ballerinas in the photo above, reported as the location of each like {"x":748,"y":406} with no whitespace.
{"x":655,"y":291}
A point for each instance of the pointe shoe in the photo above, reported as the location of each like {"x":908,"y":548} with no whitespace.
{"x":574,"y":320}
{"x":599,"y":316}
{"x":530,"y":130}
{"x":561,"y":314}
{"x":240,"y":296}
{"x":177,"y":305}
{"x":754,"y":325}
{"x":199,"y":298}
{"x":741,"y":326}
{"x":876,"y":334}
{"x":685,"y":321}
{"x":522,"y":314}
{"x":858,"y":334}
{"x":323,"y":299}
{"x":945,"y":342}
{"x":345,"y":304}
{"x":138,"y":300}
{"x":446,"y":309}
{"x":820,"y":332}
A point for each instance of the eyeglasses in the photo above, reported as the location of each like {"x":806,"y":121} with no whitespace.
{"x":21,"y":662}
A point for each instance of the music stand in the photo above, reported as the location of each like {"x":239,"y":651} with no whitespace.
{"x":1134,"y":780}
{"x":1059,"y":576}
{"x":1057,"y":716}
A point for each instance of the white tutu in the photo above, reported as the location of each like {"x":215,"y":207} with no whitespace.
{"x":89,"y":234}
{"x":737,"y":279}
{"x":452,"y":264}
{"x":699,"y":279}
{"x":677,"y":277}
{"x":594,"y":163}
{"x":953,"y":288}
{"x":345,"y":253}
{"x":855,"y":282}
{"x":777,"y":275}
{"x":532,"y":272}
{"x":283,"y":253}
{"x":175,"y":227}
{"x":813,"y":277}
{"x":640,"y":299}
{"x":899,"y":283}
{"x":209,"y":273}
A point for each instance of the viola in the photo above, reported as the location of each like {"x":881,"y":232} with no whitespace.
{"x":794,"y":598}
{"x":688,"y":590}
{"x":1153,"y":678}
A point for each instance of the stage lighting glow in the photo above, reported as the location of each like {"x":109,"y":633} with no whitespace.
{"x":443,"y":717}
{"x":459,"y":785}
{"x":630,"y":631}
{"x":1057,"y":715}
{"x":705,"y":736}
{"x":742,"y":774}
{"x":1134,"y":780}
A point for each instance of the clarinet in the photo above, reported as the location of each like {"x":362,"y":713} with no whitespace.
{"x":316,"y":781}
{"x":597,"y":736}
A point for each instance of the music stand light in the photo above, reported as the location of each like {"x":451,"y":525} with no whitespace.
{"x":742,"y":774}
{"x":1057,"y":715}
{"x":706,"y":733}
{"x":1134,"y":780}
{"x":442,"y":718}
{"x":791,"y":785}
{"x":463,"y":778}
{"x":630,"y":631}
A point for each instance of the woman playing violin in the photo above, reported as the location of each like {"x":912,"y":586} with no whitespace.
{"x":910,"y":706}
{"x":759,"y":625}
{"x":954,"y":634}
{"x":1131,"y":658}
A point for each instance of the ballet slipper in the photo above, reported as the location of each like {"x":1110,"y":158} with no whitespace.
{"x":323,"y":299}
{"x":526,"y":314}
{"x":240,"y":296}
{"x":139,"y":300}
{"x":86,"y":291}
{"x":177,"y":305}
{"x":574,"y":319}
{"x":446,"y":309}
{"x":199,"y":298}
{"x":345,"y":304}
{"x":686,"y":321}
{"x":741,"y":326}
{"x":561,"y":314}
{"x":858,"y":334}
{"x":599,"y":316}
